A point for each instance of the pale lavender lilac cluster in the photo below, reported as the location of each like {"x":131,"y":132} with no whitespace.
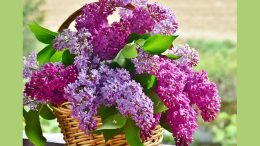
{"x":77,"y":42}
{"x":100,"y":85}
{"x":180,"y":88}
{"x":30,"y":64}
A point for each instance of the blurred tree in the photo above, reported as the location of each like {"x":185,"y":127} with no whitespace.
{"x":32,"y":11}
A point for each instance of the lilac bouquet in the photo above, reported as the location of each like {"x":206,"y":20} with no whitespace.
{"x":130,"y":68}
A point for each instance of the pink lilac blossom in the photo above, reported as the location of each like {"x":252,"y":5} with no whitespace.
{"x":182,"y":118}
{"x":76,"y":42}
{"x":180,"y":88}
{"x":47,"y":83}
{"x":204,"y":94}
{"x":30,"y":64}
{"x":108,"y":42}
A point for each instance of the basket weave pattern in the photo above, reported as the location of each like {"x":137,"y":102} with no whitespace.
{"x":73,"y":136}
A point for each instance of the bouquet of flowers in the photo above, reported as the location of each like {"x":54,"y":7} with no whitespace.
{"x":127,"y":72}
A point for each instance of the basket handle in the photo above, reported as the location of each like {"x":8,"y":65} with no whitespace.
{"x":74,"y":15}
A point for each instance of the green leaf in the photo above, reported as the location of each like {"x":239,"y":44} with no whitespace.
{"x":67,"y":58}
{"x":158,"y":44}
{"x":134,"y":36}
{"x":163,"y":122}
{"x":46,"y":113}
{"x":140,"y":42}
{"x":57,"y":56}
{"x":132,"y":133}
{"x":158,"y":105}
{"x":110,"y":133}
{"x":129,"y":51}
{"x":104,"y":112}
{"x":42,"y":34}
{"x":33,"y":128}
{"x":172,"y":56}
{"x":115,"y":121}
{"x":123,"y":57}
{"x":146,"y":80}
{"x":45,"y":54}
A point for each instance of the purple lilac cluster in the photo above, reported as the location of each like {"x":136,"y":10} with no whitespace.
{"x":47,"y":83}
{"x":180,"y":88}
{"x":102,"y":85}
{"x":77,"y":42}
{"x":109,"y":39}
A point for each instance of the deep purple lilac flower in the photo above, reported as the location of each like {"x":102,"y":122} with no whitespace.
{"x":47,"y":83}
{"x":108,"y":42}
{"x":141,"y":22}
{"x":94,"y":15}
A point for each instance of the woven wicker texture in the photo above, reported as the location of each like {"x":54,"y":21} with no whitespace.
{"x":73,"y":136}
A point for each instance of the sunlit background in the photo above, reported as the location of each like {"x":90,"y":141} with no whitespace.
{"x":207,"y":25}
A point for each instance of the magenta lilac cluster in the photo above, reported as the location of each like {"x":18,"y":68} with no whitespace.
{"x":108,"y":39}
{"x":47,"y":83}
{"x":180,"y":88}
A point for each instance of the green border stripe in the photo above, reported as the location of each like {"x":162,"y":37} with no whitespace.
{"x":249,"y":73}
{"x":11,"y":73}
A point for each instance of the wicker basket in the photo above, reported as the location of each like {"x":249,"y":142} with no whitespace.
{"x":73,"y":136}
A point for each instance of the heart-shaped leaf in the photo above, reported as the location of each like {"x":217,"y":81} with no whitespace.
{"x":45,"y":54}
{"x":33,"y":128}
{"x":158,"y":44}
{"x":46,"y":113}
{"x":42,"y":34}
{"x":132,"y":133}
{"x":158,"y":105}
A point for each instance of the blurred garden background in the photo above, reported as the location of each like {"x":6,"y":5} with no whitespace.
{"x":207,"y":25}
